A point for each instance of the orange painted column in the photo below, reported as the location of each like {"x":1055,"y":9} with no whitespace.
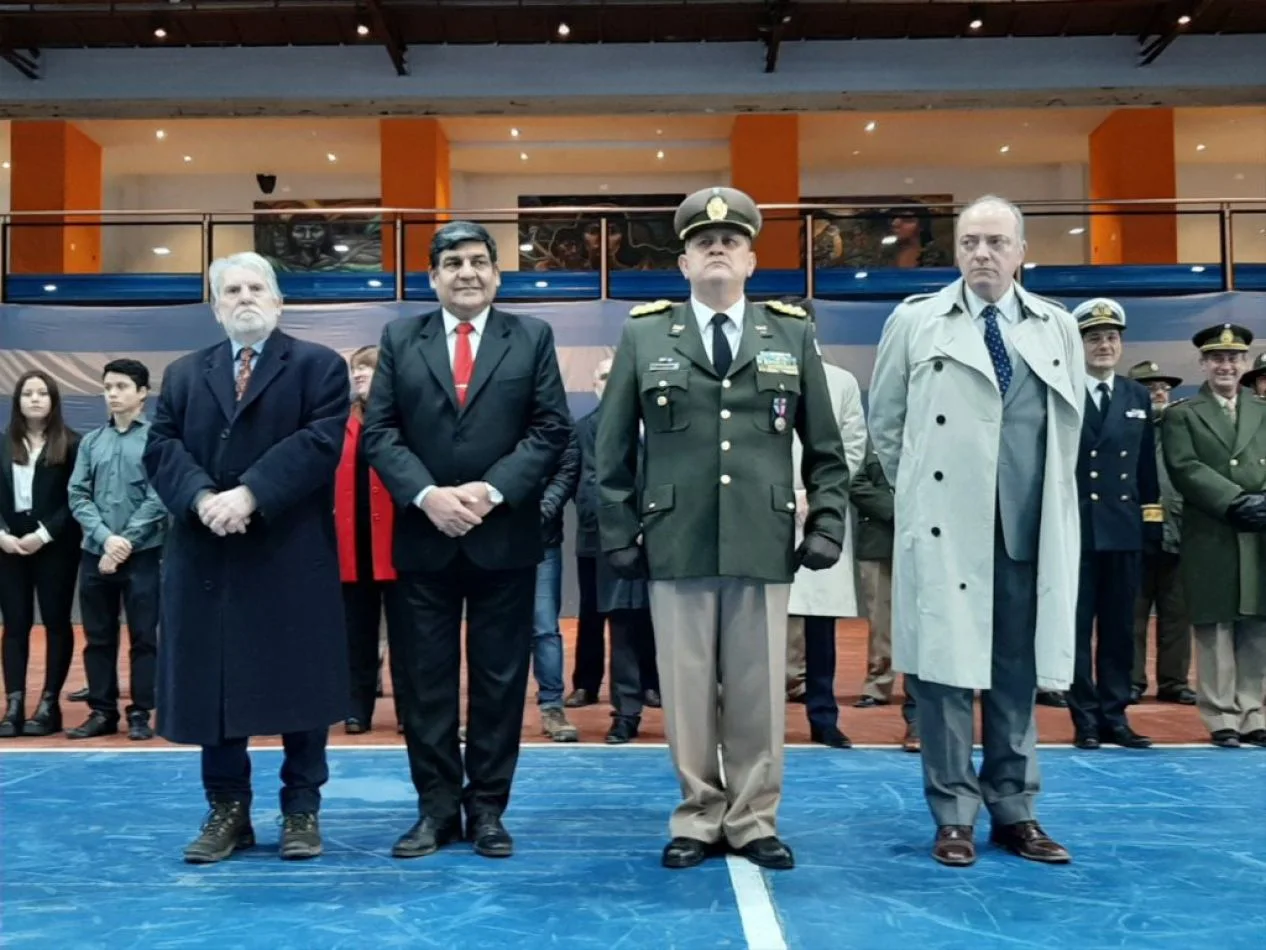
{"x":55,"y":167}
{"x":765,"y":163}
{"x":1132,"y":156}
{"x":415,"y":173}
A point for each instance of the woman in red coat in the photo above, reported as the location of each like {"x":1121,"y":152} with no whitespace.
{"x":363,"y":516}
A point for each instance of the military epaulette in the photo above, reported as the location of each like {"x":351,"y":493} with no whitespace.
{"x":1177,"y":402}
{"x":1054,"y":303}
{"x":645,"y":309}
{"x":787,"y":309}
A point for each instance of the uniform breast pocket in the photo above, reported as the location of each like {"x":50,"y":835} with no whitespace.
{"x":664,"y":400}
{"x":777,"y":399}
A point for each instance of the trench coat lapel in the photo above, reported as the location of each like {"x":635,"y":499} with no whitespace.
{"x":1033,"y":340}
{"x":960,"y":340}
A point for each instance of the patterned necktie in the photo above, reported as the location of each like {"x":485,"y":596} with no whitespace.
{"x":997,"y":350}
{"x":721,"y":355}
{"x":244,"y":358}
{"x":463,"y":361}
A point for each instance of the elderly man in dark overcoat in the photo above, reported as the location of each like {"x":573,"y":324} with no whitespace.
{"x":243,"y":447}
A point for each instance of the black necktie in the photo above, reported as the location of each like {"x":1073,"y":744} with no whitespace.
{"x":721,"y":355}
{"x":1105,"y":397}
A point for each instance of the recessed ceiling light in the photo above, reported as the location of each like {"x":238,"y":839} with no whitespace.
{"x":160,"y":33}
{"x":909,"y":181}
{"x":514,"y":133}
{"x":162,"y":251}
{"x":1184,"y":20}
{"x":50,"y":288}
{"x":362,"y":29}
{"x":341,"y":248}
{"x":1076,"y":230}
{"x":564,"y":30}
{"x":889,"y":239}
{"x":1239,"y":176}
{"x":160,"y":134}
{"x":4,"y":165}
{"x":872,"y":125}
{"x":660,"y":154}
{"x":976,"y":24}
{"x":857,"y":151}
{"x":659,"y":131}
{"x":1201,"y":147}
{"x":188,"y":158}
{"x":1005,"y":149}
{"x":374,"y":283}
{"x":523,"y":156}
{"x":525,"y":247}
{"x":331,"y":157}
{"x":604,"y":187}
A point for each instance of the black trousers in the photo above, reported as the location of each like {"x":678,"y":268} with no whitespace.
{"x":49,"y":575}
{"x":365,"y":603}
{"x":427,"y":648}
{"x":135,"y":587}
{"x":632,"y":642}
{"x":226,"y":771}
{"x":1161,"y":585}
{"x":819,"y":673}
{"x":1108,"y":584}
{"x":590,"y":629}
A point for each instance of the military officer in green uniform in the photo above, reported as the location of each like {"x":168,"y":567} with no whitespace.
{"x":720,"y":384}
{"x":1255,"y":379}
{"x":1215,"y":450}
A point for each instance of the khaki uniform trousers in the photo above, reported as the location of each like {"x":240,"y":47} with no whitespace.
{"x":875,"y":579}
{"x":739,"y":628}
{"x":1231,"y":675}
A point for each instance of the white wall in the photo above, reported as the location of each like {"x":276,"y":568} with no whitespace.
{"x":1198,"y":238}
{"x":130,"y":249}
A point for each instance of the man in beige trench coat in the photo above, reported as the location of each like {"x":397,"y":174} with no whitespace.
{"x":975,"y":414}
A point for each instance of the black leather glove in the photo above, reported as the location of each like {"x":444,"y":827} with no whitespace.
{"x":817,"y":553}
{"x":1248,"y":512}
{"x":628,"y":563}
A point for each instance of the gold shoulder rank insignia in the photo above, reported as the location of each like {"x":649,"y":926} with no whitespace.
{"x":787,"y":309}
{"x":645,"y":309}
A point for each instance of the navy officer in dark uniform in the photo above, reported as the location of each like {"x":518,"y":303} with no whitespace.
{"x":1119,"y":499}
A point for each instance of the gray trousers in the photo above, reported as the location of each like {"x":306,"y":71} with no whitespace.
{"x":1009,"y":779}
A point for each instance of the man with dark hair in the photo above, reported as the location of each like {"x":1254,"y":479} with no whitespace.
{"x":124,"y":524}
{"x":466,"y":421}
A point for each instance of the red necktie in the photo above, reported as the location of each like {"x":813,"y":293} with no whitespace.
{"x":463,"y":361}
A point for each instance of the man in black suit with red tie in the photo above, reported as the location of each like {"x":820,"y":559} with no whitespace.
{"x":466,"y":420}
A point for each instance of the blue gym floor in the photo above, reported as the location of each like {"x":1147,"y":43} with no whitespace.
{"x":1169,"y":851}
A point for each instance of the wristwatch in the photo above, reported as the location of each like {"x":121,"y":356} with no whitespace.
{"x":494,"y":496}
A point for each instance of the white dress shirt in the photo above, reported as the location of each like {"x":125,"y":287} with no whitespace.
{"x":1009,"y":310}
{"x":24,"y":486}
{"x":1092,"y":387}
{"x":450,"y":333}
{"x":732,"y":328}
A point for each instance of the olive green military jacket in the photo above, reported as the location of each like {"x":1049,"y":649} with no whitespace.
{"x":718,"y":497}
{"x":872,"y":497}
{"x":1211,"y":462}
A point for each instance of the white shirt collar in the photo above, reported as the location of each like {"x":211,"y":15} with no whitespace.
{"x":704,"y":314}
{"x":1008,"y":306}
{"x":1092,"y":385}
{"x":478,"y":322}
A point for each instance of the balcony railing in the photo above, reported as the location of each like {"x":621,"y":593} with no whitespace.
{"x":842,"y":251}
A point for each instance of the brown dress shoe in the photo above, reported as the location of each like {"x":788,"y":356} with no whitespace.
{"x":1028,"y":840}
{"x":954,"y":846}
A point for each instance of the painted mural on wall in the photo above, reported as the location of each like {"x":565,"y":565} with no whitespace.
{"x":572,"y":242}
{"x":904,"y":231}
{"x":317,"y":237}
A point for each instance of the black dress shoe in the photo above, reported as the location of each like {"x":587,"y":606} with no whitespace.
{"x":14,"y":716}
{"x":869,"y":702}
{"x":653,"y":699}
{"x":227,"y":829}
{"x":47,"y":719}
{"x":1125,"y":737}
{"x":300,"y":836}
{"x":770,"y":853}
{"x":580,"y":697}
{"x":1136,"y":695}
{"x":97,"y":724}
{"x":684,"y":852}
{"x":1029,"y":841}
{"x":1048,"y":697}
{"x":1086,"y":740}
{"x":489,"y":836}
{"x":138,"y":727}
{"x":78,"y":696}
{"x":1183,"y":697}
{"x":354,"y":726}
{"x":1256,"y":737}
{"x":426,"y":837}
{"x":831,"y":737}
{"x":1226,"y":739}
{"x":623,"y":730}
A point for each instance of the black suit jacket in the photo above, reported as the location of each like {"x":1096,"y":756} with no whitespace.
{"x":587,"y":502}
{"x":50,"y":501}
{"x":1117,"y":483}
{"x":510,"y":433}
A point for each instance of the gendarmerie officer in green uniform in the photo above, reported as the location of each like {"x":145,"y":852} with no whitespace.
{"x":720,"y":384}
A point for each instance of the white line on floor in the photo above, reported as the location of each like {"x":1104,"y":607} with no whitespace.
{"x":761,"y":926}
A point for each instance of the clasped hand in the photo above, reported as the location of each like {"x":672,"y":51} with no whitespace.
{"x":227,"y":512}
{"x":1248,"y":512}
{"x":455,"y":511}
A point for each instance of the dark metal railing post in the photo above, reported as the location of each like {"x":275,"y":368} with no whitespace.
{"x":4,"y":257}
{"x":604,"y":267}
{"x":809,"y":276}
{"x":398,"y":237}
{"x":1227,"y":241}
{"x":208,"y":252}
